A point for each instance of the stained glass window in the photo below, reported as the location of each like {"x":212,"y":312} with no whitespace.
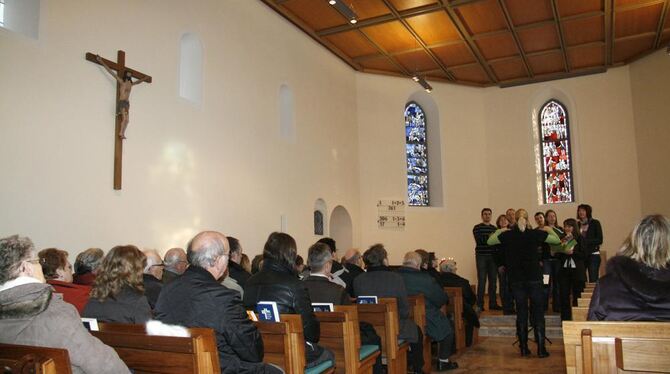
{"x":2,"y":13}
{"x":417,"y":155}
{"x":556,"y":159}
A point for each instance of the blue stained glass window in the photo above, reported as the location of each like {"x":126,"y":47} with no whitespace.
{"x":416,"y":151}
{"x":556,"y":158}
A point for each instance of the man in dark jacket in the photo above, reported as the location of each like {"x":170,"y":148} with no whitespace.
{"x":438,"y":326}
{"x":352,"y":264}
{"x":153,"y":273}
{"x":235,"y":270}
{"x":196,"y":299}
{"x":449,"y":278}
{"x":175,"y":264}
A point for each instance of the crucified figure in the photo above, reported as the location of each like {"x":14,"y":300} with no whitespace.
{"x":125,"y":85}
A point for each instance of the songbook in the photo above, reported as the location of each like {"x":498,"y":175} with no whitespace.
{"x":267,"y":311}
{"x":91,"y":324}
{"x":367,"y":300}
{"x":323,"y":307}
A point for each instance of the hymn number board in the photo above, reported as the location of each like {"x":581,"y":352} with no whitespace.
{"x":391,"y":214}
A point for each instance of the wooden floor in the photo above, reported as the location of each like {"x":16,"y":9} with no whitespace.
{"x":497,"y":355}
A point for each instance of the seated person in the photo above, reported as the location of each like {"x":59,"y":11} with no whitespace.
{"x":352,"y":261}
{"x":175,"y":264}
{"x":196,"y":299}
{"x":277,"y":281}
{"x":58,"y":273}
{"x":338,"y":273}
{"x":235,"y":270}
{"x":31,"y":315}
{"x":636,"y":285}
{"x":118,"y":292}
{"x":380,"y":281}
{"x":449,"y":278}
{"x":153,"y":273}
{"x":86,"y":264}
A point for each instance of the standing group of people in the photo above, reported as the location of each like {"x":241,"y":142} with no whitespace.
{"x":534,"y":263}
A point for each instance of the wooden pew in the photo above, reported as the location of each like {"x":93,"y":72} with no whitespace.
{"x":340,"y":332}
{"x":417,"y":312}
{"x":455,"y":307}
{"x":583,"y":302}
{"x":384,"y":317}
{"x":284,"y":343}
{"x":603,"y":353}
{"x":33,"y":359}
{"x":144,"y":353}
{"x":580,"y":313}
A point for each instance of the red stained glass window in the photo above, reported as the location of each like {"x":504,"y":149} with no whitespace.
{"x":556,"y":158}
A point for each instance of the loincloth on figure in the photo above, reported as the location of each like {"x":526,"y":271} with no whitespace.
{"x":121,"y":105}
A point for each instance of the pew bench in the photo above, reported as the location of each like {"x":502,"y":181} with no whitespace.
{"x":455,"y":307}
{"x":591,"y":346}
{"x":33,"y":359}
{"x":144,"y":353}
{"x":417,"y":312}
{"x":580,"y":313}
{"x":583,"y":302}
{"x":385,"y":319}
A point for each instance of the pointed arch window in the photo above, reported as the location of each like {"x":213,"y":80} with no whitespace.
{"x":557,"y":181}
{"x":416,"y":150}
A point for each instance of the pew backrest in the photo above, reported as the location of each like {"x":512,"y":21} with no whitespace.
{"x":284,"y":343}
{"x":456,"y":308}
{"x":27,"y":359}
{"x":384,"y":318}
{"x":580,"y":313}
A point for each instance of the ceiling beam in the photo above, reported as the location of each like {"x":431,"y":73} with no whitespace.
{"x":636,"y":36}
{"x":490,"y":34}
{"x":510,"y":24}
{"x":574,"y":17}
{"x":386,"y":54}
{"x":559,"y":32}
{"x":609,"y":31}
{"x":533,"y":25}
{"x":405,"y":51}
{"x":624,"y":8}
{"x":553,"y":76}
{"x":457,"y":3}
{"x":470,"y":43}
{"x":661,"y":23}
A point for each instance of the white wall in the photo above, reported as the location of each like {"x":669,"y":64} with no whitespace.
{"x":220,"y":165}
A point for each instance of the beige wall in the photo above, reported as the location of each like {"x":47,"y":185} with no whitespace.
{"x":220,"y":165}
{"x":650,"y":85}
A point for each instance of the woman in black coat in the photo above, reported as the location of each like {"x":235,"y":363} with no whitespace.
{"x":592,"y":239}
{"x":523,"y":262}
{"x":571,"y":275}
{"x":636,"y":286}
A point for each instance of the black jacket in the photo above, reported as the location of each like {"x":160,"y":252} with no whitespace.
{"x":129,"y":306}
{"x":454,"y":280}
{"x":277,"y":282}
{"x":196,"y":299}
{"x":631,"y":291}
{"x":593,"y":238}
{"x":237,"y":272}
{"x":577,"y":256}
{"x":152,"y":288}
{"x":353,"y":271}
{"x":169,"y":276}
{"x":522,"y":259}
{"x":322,"y":290}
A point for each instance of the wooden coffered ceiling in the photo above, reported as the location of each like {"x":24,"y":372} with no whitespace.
{"x":485,"y":42}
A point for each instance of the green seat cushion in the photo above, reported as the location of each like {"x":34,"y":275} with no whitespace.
{"x":320,"y":368}
{"x":367,"y":350}
{"x":401,"y":341}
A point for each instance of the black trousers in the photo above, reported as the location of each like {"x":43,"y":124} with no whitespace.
{"x":415,"y":355}
{"x":525,"y":292}
{"x":486,"y":269}
{"x":568,"y":281}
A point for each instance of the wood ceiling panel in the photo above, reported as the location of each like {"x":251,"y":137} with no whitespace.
{"x":482,"y":16}
{"x":456,"y":54}
{"x":381,"y":63}
{"x":627,"y":49}
{"x":618,"y":3}
{"x":409,"y":4}
{"x":365,"y":9}
{"x":352,"y":43}
{"x":437,"y":76}
{"x":529,"y":11}
{"x":572,"y":7}
{"x":583,"y":30}
{"x":509,"y":69}
{"x":665,"y":39}
{"x":667,"y":22}
{"x":589,"y":56}
{"x":546,"y":63}
{"x":497,"y":46}
{"x":539,"y":38}
{"x":392,"y":36}
{"x":317,"y":14}
{"x":637,"y":21}
{"x":470,"y":73}
{"x":416,"y":61}
{"x":434,"y":27}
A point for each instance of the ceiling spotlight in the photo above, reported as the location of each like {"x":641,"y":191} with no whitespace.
{"x":332,"y":2}
{"x":353,"y":21}
{"x":422,"y":81}
{"x":415,"y":78}
{"x":344,"y":10}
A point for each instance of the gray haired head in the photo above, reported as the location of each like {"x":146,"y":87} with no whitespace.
{"x":13,"y":251}
{"x":88,"y":261}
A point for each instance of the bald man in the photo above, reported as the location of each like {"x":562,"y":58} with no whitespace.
{"x":175,"y":264}
{"x":196,"y":299}
{"x":352,"y":263}
{"x":153,"y":272}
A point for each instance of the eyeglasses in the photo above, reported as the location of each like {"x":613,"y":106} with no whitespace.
{"x":161,"y":264}
{"x":34,"y":261}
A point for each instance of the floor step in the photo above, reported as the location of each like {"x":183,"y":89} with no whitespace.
{"x":502,"y":330}
{"x":510,"y":320}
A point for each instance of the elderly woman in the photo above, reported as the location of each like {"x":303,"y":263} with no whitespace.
{"x":58,"y":273}
{"x":118,"y":291}
{"x":86,"y":264}
{"x":636,"y":285}
{"x":31,"y":315}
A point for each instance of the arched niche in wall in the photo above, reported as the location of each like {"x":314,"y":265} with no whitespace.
{"x":433,"y":144}
{"x":320,"y":217}
{"x":286,"y":114}
{"x":190,"y":68}
{"x":341,"y":229}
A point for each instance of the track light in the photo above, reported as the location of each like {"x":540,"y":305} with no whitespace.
{"x":422,"y":81}
{"x":344,"y":10}
{"x":332,"y":2}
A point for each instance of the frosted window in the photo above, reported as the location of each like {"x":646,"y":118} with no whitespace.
{"x":190,"y":68}
{"x":286,"y":113}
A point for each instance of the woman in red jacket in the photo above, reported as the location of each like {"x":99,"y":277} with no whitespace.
{"x":58,"y":273}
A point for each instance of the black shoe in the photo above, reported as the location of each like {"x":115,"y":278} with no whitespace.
{"x":495,"y":307}
{"x":523,"y":348}
{"x":444,"y":366}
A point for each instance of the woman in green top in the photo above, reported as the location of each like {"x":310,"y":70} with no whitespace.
{"x":571,"y":272}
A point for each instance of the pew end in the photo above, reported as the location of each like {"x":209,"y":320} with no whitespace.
{"x":34,"y":359}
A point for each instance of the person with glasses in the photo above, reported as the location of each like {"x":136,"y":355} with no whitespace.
{"x":153,"y":273}
{"x":30,"y":313}
{"x":58,"y":273}
{"x":175,"y":264}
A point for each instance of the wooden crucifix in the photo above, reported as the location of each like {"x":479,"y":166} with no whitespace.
{"x":124,"y":83}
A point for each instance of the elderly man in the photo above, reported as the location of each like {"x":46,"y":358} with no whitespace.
{"x":153,"y":273}
{"x":449,"y":278}
{"x":30,"y":314}
{"x":85,"y":266}
{"x":196,"y":299}
{"x":352,"y":263}
{"x":438,"y":327}
{"x":235,"y":270}
{"x":319,"y":286}
{"x":175,"y":264}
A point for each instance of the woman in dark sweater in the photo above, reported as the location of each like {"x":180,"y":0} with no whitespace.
{"x":523,"y":262}
{"x":571,"y":275}
{"x":592,"y":239}
{"x":118,"y":291}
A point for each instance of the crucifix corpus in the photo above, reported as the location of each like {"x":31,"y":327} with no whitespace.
{"x":124,"y":84}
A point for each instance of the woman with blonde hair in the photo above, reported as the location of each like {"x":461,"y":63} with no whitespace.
{"x":522,"y":261}
{"x":118,"y":291}
{"x":635,"y":287}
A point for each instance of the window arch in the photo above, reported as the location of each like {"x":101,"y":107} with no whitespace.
{"x":416,"y":150}
{"x":556,"y":159}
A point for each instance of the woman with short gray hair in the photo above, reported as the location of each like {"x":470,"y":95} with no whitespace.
{"x":86,"y":266}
